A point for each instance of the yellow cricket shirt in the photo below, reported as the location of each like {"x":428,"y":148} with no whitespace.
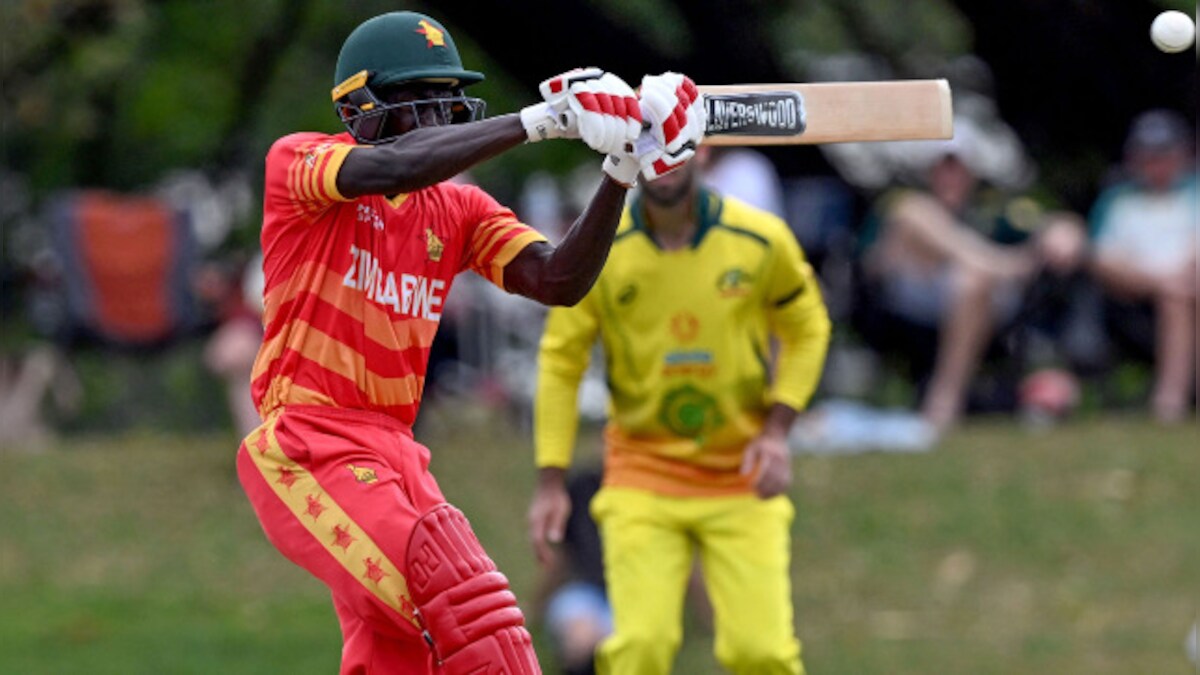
{"x":688,"y":352}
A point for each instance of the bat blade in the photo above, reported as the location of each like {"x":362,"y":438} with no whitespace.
{"x":827,"y":112}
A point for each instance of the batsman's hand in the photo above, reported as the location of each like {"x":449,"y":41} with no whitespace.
{"x":768,"y":460}
{"x":548,"y":514}
{"x":673,"y":126}
{"x":552,"y":118}
{"x":585,"y":103}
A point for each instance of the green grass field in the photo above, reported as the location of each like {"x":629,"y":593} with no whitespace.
{"x":1072,"y":551}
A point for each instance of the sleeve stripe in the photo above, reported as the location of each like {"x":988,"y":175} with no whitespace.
{"x":791,"y":296}
{"x":317,"y":185}
{"x":510,"y":251}
{"x":486,"y":235}
{"x":322,"y":178}
{"x":293,"y":180}
{"x":311,"y":177}
{"x":514,"y":245}
{"x":333,"y":167}
{"x":483,"y":241}
{"x":497,"y":244}
{"x":301,"y":184}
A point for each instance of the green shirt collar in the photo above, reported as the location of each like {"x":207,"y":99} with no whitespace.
{"x":707,"y":208}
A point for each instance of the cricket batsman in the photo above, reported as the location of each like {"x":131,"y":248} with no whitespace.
{"x":362,"y":238}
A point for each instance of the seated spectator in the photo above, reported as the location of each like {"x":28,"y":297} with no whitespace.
{"x":230,"y":351}
{"x":1144,"y":235}
{"x":947,"y":266}
{"x":27,"y":379}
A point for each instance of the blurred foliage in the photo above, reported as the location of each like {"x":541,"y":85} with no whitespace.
{"x":115,"y":93}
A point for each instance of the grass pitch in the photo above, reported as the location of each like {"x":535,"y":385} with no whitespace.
{"x":1071,"y":551}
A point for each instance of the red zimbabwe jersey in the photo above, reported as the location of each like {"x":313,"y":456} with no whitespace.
{"x":354,"y":288}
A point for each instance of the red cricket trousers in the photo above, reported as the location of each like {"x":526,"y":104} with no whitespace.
{"x":338,"y":492}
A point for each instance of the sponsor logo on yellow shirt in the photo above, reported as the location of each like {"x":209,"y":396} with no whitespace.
{"x":696,"y":363}
{"x":734,"y":282}
{"x":685,"y":326}
{"x":690,"y":412}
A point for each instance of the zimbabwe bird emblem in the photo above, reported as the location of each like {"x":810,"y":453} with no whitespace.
{"x":363,"y":475}
{"x":433,"y":245}
{"x":432,"y":33}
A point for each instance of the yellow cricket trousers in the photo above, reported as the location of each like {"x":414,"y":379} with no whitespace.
{"x":744,"y":544}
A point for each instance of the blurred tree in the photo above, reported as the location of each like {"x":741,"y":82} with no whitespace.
{"x":114,"y":93}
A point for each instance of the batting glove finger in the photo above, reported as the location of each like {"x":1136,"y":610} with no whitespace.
{"x":661,"y":163}
{"x":608,"y":113}
{"x":673,"y":104}
{"x":674,"y":112}
{"x":552,"y":118}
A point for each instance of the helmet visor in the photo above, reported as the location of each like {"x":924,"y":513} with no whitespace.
{"x":373,"y":119}
{"x":373,"y":122}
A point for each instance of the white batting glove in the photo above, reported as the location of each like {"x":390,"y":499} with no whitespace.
{"x":674,"y":112}
{"x":674,"y":126}
{"x":607,"y":112}
{"x":553,"y":118}
{"x":623,"y":167}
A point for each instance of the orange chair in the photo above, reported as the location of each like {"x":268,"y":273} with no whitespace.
{"x":127,"y":263}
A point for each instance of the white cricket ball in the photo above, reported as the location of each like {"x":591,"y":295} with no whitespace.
{"x":1172,"y":31}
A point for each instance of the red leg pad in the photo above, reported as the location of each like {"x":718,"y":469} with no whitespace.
{"x":470,"y":616}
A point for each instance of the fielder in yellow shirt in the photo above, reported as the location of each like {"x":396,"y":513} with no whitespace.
{"x":714,"y":335}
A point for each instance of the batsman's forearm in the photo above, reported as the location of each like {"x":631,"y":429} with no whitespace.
{"x":570,"y":271}
{"x":427,"y":156}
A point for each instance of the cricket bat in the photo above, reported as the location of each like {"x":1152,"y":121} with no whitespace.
{"x":827,"y":112}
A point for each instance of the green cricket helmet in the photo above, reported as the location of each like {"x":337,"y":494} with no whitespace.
{"x":394,"y":50}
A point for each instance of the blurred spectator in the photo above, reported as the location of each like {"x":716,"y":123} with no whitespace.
{"x":1144,"y":234}
{"x":743,"y":173}
{"x":818,"y":209}
{"x":948,"y":266}
{"x":230,"y":351}
{"x":27,"y":379}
